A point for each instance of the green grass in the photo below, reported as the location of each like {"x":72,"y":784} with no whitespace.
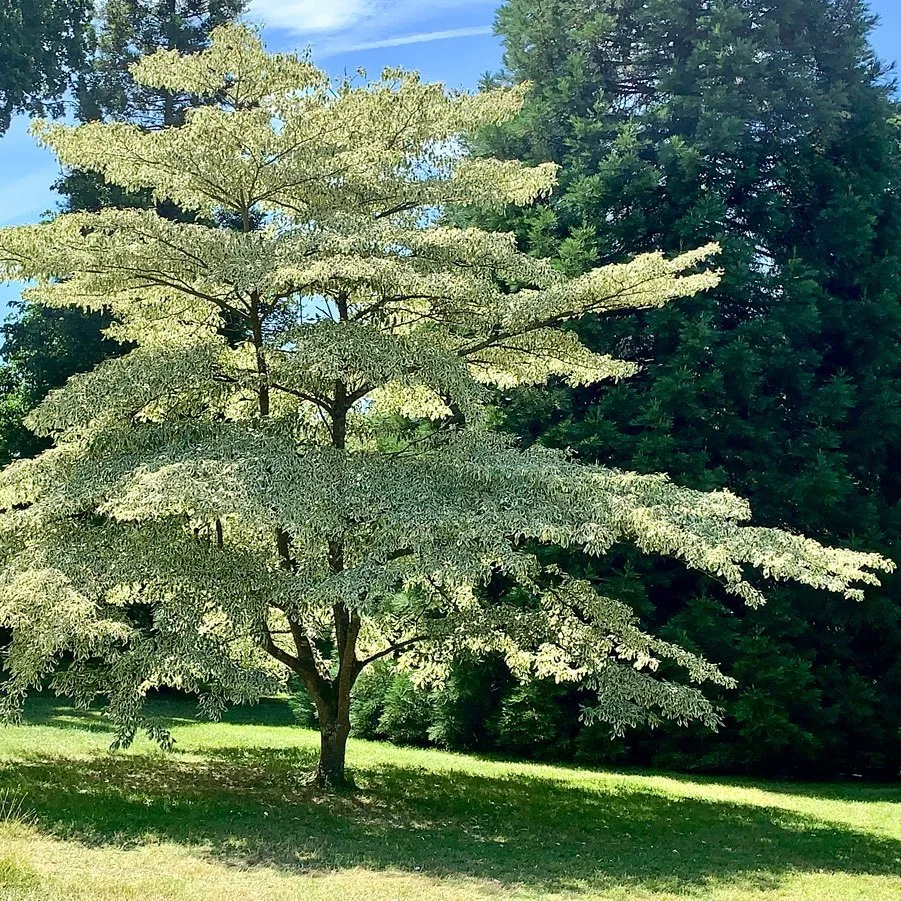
{"x":227,"y":817}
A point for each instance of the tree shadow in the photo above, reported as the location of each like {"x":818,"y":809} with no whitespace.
{"x":172,"y":711}
{"x":250,"y":806}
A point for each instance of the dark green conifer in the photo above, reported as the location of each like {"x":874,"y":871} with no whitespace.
{"x":771,"y":128}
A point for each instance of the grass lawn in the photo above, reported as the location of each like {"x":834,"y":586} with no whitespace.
{"x":226,"y":817}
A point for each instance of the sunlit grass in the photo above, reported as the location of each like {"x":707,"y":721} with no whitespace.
{"x":227,"y":816}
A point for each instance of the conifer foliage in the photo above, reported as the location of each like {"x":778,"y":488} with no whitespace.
{"x":773,"y":129}
{"x":292,"y":471}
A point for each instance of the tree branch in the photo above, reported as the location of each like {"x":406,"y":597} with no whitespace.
{"x":392,"y":649}
{"x":282,"y":656}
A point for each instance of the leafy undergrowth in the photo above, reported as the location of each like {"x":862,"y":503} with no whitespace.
{"x":227,"y":816}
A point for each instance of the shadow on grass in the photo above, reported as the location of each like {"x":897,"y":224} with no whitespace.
{"x":249,"y":805}
{"x":46,"y":710}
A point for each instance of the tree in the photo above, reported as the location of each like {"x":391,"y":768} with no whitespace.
{"x":772,"y":129}
{"x":217,"y":511}
{"x":41,"y":45}
{"x":43,"y":347}
{"x":133,"y":29}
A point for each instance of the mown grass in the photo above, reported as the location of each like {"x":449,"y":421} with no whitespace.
{"x":227,"y":817}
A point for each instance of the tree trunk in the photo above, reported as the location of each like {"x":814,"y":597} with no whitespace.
{"x":334,"y":727}
{"x":330,"y":770}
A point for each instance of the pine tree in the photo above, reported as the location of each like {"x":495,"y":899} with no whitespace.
{"x":772,"y":129}
{"x":217,"y":513}
{"x":133,"y":29}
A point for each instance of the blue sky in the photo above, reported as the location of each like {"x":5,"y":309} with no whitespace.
{"x":446,"y":40}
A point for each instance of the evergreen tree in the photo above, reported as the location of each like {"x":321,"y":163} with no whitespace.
{"x":320,"y":490}
{"x":133,"y":29}
{"x":772,"y":129}
{"x":42,"y":45}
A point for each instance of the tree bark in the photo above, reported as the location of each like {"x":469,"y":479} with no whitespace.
{"x":330,"y":770}
{"x":333,"y":708}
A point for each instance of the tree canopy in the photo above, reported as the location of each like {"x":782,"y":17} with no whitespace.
{"x":129,"y":30}
{"x":292,"y":471}
{"x":42,"y":347}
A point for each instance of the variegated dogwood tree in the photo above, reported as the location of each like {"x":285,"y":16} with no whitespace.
{"x":292,"y":470}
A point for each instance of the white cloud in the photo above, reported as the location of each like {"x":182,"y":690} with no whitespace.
{"x":376,"y":18}
{"x":313,"y":16}
{"x":421,"y":38}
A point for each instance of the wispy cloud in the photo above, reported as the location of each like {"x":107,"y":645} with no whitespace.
{"x":313,"y":16}
{"x":358,"y":22}
{"x":401,"y":40}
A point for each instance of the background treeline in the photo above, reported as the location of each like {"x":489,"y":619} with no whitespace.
{"x":771,"y":128}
